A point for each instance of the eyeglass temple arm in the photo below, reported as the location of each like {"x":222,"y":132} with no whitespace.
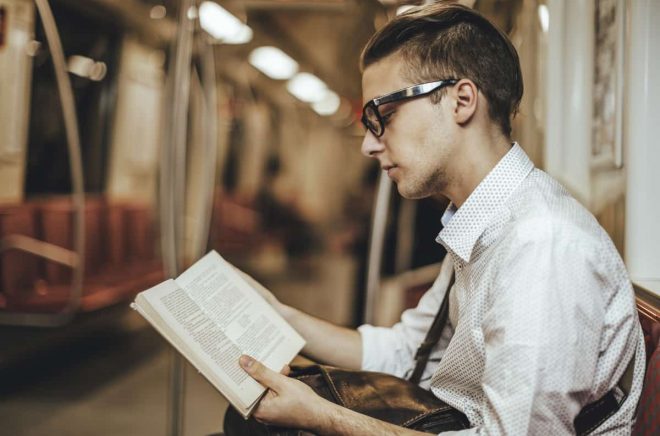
{"x":413,"y":91}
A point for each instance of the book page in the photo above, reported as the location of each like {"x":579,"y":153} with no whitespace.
{"x":240,"y":312}
{"x":200,"y":340}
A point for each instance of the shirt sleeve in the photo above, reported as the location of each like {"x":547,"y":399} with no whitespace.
{"x":542,"y":334}
{"x":391,"y":349}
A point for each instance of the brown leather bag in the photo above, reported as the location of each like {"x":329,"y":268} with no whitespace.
{"x":381,"y":396}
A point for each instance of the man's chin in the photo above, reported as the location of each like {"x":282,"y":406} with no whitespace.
{"x":410,"y":194}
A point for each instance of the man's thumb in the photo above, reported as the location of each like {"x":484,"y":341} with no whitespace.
{"x":258,"y":371}
{"x":247,"y":363}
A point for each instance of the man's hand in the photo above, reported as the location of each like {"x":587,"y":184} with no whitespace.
{"x":288,"y":402}
{"x":291,"y":403}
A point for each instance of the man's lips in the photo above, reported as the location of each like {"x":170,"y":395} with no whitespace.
{"x":389,"y":169}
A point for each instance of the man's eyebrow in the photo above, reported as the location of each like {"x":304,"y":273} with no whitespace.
{"x":386,"y":106}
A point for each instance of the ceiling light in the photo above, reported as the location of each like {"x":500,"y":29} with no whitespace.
{"x":544,"y":17}
{"x":222,"y":25}
{"x":157,"y":12}
{"x":191,"y":13}
{"x":307,"y":87}
{"x":273,"y":62}
{"x":328,"y":105}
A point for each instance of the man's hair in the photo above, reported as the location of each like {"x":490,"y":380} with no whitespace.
{"x":447,"y":40}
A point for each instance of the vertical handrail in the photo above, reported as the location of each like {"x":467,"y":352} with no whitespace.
{"x":376,"y":244}
{"x":211,"y":138}
{"x":172,"y":190}
{"x":173,"y":157}
{"x":405,"y":235}
{"x":78,"y":193}
{"x":73,"y":143}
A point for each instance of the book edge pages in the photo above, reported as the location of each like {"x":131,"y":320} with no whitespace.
{"x":232,"y":271}
{"x":143,"y":306}
{"x":189,"y":355}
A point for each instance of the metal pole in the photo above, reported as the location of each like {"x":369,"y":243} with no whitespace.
{"x":76,"y":258}
{"x":405,"y":235}
{"x":210,"y":138}
{"x":378,"y":226}
{"x":172,"y":190}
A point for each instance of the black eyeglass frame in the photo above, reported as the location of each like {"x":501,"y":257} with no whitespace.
{"x":402,"y":94}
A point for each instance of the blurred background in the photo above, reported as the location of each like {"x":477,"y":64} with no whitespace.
{"x":136,"y":135}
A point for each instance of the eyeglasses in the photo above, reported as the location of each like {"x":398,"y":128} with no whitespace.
{"x":373,"y":120}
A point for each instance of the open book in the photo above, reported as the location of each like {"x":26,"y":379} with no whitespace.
{"x":211,"y":315}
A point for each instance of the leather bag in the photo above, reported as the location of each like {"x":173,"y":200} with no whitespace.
{"x":381,"y":396}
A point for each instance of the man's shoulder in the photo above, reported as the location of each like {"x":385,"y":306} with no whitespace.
{"x":549,"y":233}
{"x":542,"y":211}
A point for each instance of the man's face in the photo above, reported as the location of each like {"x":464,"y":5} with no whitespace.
{"x":417,"y":142}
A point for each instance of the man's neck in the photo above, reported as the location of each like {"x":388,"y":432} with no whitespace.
{"x":476,"y":159}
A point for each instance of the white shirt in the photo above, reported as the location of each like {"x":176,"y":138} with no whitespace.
{"x":542,"y":313}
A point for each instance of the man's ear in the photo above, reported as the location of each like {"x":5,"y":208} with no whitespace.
{"x":467,"y":98}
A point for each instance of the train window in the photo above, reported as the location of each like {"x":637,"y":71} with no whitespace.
{"x":97,"y":44}
{"x":2,"y":26}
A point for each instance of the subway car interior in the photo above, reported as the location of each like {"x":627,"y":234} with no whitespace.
{"x":138,"y":135}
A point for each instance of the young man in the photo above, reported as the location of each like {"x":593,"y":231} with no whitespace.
{"x":542,"y":318}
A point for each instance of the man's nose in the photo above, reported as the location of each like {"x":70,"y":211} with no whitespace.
{"x":371,"y":146}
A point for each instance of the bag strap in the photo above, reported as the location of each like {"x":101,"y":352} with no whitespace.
{"x":433,"y":335}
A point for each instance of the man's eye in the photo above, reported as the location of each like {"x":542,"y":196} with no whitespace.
{"x":386,"y":117}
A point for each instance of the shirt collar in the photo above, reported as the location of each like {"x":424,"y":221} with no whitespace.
{"x":464,"y":226}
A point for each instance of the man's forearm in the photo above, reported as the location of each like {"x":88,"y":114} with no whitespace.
{"x":326,"y":342}
{"x":340,"y":421}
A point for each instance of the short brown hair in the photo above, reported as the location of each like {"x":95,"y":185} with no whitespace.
{"x":448,"y":40}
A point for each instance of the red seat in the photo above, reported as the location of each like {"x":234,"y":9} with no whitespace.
{"x":648,"y":418}
{"x":120,"y":259}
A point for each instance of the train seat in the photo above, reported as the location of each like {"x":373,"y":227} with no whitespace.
{"x":648,"y":416}
{"x":120,"y":258}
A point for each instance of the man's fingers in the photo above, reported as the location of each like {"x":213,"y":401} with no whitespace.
{"x":260,"y":373}
{"x":286,"y":370}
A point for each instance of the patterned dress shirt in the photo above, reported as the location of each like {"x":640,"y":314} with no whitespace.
{"x":542,"y":317}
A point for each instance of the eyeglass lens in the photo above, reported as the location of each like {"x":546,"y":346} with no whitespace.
{"x":372,"y":120}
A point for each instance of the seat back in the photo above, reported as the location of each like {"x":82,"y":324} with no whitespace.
{"x":648,"y":416}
